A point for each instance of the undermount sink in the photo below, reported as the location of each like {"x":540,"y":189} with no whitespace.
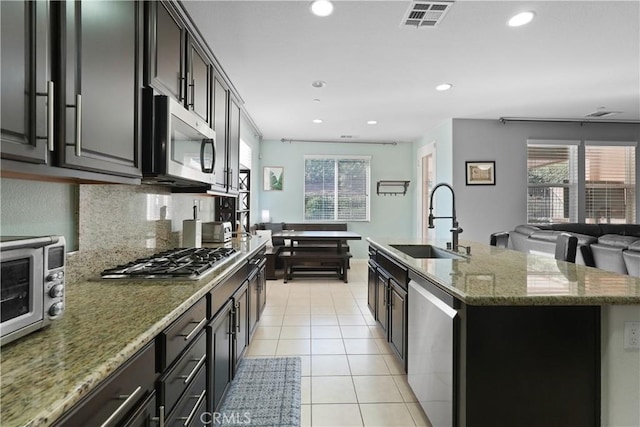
{"x":425,"y":251}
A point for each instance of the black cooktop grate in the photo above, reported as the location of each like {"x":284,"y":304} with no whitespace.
{"x":185,"y":263}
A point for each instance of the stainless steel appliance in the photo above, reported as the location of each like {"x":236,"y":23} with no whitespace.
{"x":182,"y":263}
{"x":217,"y":231}
{"x":431,"y":353}
{"x":178,"y":147}
{"x":32,"y":282}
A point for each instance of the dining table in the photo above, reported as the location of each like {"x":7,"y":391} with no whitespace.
{"x":318,"y":236}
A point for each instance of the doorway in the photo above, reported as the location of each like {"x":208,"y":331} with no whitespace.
{"x":426,"y":181}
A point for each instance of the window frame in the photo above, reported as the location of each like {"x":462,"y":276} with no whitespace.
{"x":580,"y":188}
{"x":336,"y":159}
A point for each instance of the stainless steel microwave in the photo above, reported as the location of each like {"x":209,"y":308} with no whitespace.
{"x":178,"y":147}
{"x":32,"y":284}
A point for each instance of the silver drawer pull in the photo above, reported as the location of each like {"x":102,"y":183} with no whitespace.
{"x":160,"y":418}
{"x":192,"y":414}
{"x":200,"y":324}
{"x":189,"y":377}
{"x":118,"y":412}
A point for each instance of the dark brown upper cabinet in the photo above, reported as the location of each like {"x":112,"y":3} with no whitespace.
{"x":233,"y":148}
{"x":226,"y":113}
{"x":102,"y":47}
{"x":165,"y":63}
{"x":220,"y":103}
{"x":27,"y":89}
{"x":176,"y":65}
{"x":71,"y":83}
{"x":199,"y":82}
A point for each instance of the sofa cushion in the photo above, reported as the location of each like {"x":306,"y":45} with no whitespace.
{"x":616,"y":241}
{"x":526,"y":229}
{"x":632,"y":262}
{"x":545,"y":235}
{"x":607,"y":257}
{"x":587,"y":229}
{"x":621,"y":229}
{"x":635,"y":246}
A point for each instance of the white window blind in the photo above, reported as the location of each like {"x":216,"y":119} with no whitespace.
{"x":610,"y":184}
{"x":336,"y":188}
{"x":552,"y":182}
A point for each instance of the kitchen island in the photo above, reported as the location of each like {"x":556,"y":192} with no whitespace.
{"x":105,"y":323}
{"x":518,"y":339}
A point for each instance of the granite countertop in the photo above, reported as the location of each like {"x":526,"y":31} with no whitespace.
{"x":498,"y":276}
{"x":105,"y":323}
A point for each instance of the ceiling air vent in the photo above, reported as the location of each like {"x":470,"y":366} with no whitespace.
{"x":426,"y":13}
{"x":602,"y":113}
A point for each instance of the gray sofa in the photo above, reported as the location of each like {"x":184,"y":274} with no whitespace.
{"x":612,"y":247}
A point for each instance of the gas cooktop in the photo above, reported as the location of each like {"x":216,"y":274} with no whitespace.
{"x":182,"y":263}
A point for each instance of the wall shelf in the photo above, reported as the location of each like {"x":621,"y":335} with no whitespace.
{"x":392,"y":187}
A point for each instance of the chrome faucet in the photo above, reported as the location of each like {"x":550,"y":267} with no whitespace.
{"x":455,"y":228}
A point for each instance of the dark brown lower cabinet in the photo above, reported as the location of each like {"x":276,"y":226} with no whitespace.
{"x":147,"y":414}
{"x":182,"y":374}
{"x":382,"y":302}
{"x":124,"y":393}
{"x":371,"y":288}
{"x":240,"y":333}
{"x":397,"y":319}
{"x":190,"y":409}
{"x":220,"y":353}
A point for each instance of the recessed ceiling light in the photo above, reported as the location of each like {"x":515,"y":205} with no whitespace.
{"x":318,"y":121}
{"x":319,"y":83}
{"x":521,"y":18}
{"x":372,"y":122}
{"x":321,"y":7}
{"x":444,"y":86}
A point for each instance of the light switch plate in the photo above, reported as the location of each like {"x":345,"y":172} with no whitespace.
{"x":632,"y":335}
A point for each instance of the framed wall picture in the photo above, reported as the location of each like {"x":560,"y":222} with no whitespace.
{"x":272,"y":178}
{"x":481,"y":173}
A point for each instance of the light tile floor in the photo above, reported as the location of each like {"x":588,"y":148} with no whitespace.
{"x":349,"y":375}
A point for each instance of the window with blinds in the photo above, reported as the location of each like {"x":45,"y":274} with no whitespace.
{"x":552,"y":182}
{"x":610,"y":184}
{"x":607,"y":175}
{"x":336,"y":188}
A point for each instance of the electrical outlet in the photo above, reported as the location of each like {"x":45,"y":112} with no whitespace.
{"x":631,"y":335}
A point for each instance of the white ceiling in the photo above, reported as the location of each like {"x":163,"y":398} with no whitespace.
{"x":575,"y":57}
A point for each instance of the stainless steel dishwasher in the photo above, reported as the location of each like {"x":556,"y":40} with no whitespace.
{"x":430,"y":353}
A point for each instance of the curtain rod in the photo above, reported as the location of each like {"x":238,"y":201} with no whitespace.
{"x":328,"y":141}
{"x":504,"y":120}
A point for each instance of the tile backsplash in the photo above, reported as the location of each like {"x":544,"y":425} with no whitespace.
{"x":118,"y":223}
{"x":104,"y":224}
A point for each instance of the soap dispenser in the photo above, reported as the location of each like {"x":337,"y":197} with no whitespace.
{"x":192,"y":231}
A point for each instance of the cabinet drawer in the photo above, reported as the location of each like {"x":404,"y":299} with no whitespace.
{"x":222,"y":292}
{"x":181,"y":333}
{"x":192,"y":404}
{"x":399,"y":272}
{"x":120,"y":395}
{"x":146,"y":415}
{"x":174,"y":382}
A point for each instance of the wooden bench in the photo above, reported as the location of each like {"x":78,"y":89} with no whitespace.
{"x":314,"y":261}
{"x":271,"y":255}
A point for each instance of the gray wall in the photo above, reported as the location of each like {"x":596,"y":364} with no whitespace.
{"x":390,"y":215}
{"x":486,"y":209}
